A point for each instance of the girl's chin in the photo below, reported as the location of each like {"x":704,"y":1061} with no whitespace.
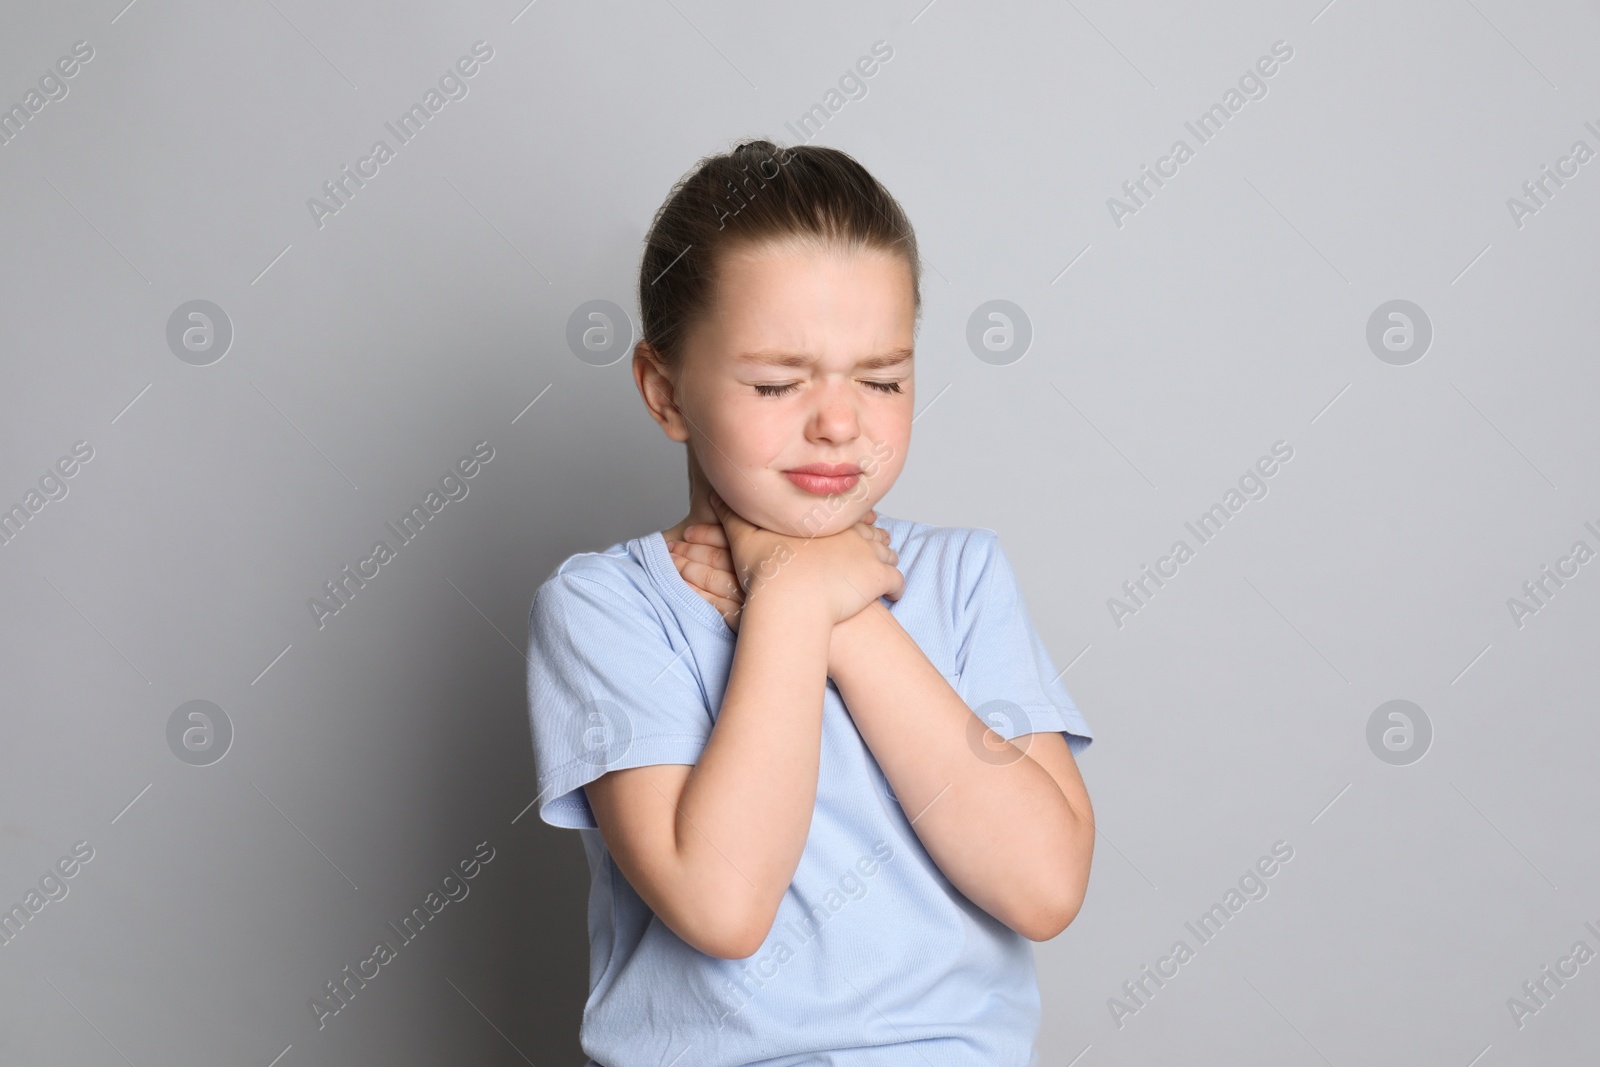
{"x":817,"y":521}
{"x":795,"y":513}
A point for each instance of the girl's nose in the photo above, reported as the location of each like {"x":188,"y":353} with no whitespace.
{"x":836,"y":418}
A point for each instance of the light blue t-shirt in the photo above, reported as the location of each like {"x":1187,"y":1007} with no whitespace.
{"x":875,"y":959}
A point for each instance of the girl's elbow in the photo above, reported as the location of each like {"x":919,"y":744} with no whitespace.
{"x":1049,"y":921}
{"x":1049,"y":910}
{"x":739,"y":947}
{"x":736,"y":941}
{"x":729,"y":933}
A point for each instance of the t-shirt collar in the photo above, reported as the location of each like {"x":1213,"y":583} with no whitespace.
{"x":664,"y":572}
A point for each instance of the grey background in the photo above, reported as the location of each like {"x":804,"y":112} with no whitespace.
{"x":369,"y":355}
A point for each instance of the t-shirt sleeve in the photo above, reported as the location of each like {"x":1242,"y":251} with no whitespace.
{"x":1002,"y":658}
{"x":606,"y":690}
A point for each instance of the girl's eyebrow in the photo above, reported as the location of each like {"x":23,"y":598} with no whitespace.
{"x":795,"y":359}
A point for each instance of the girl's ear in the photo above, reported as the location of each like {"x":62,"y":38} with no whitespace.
{"x":657,"y":388}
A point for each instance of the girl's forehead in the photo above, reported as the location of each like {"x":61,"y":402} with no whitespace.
{"x":876,"y":337}
{"x":824,"y":302}
{"x":785,"y":290}
{"x":802,"y":253}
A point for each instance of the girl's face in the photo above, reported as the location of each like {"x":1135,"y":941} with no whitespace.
{"x":803,"y":359}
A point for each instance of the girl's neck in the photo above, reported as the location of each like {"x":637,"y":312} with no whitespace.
{"x":699,"y":504}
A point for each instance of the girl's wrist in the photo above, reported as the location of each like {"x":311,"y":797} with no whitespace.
{"x":845,"y":636}
{"x":796,"y":607}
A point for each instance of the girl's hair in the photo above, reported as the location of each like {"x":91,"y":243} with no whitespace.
{"x":755,"y":194}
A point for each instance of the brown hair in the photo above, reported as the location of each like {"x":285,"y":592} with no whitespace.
{"x":751,"y":195}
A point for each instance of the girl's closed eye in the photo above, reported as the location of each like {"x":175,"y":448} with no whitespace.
{"x":784,"y":390}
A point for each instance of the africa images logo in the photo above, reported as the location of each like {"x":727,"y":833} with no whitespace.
{"x":341,"y":189}
{"x":341,"y":590}
{"x":1251,"y":886}
{"x":762,"y":967}
{"x":1252,"y":86}
{"x":453,"y":887}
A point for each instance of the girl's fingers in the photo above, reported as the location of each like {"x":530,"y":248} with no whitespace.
{"x":872,"y":533}
{"x":693,"y":549}
{"x":706,"y":533}
{"x":716,"y":558}
{"x":728,"y":609}
{"x":683,"y":552}
{"x":726,"y":515}
{"x":702,"y":580}
{"x":720,"y":582}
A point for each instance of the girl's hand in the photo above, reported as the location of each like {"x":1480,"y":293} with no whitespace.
{"x":844,"y":571}
{"x":705,"y":563}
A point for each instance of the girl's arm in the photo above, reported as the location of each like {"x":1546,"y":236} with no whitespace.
{"x":1013,"y":831}
{"x":712,"y":848}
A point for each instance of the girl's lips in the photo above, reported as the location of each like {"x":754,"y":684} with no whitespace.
{"x":820,"y":484}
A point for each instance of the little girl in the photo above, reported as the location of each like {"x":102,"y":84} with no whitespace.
{"x":821,"y":761}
